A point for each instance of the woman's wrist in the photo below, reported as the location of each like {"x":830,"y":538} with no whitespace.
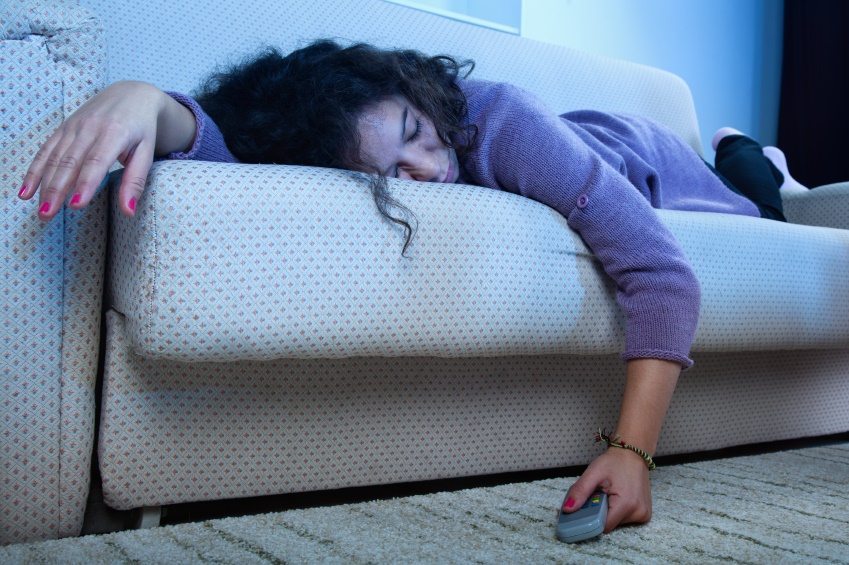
{"x":176,"y":126}
{"x":616,"y":441}
{"x":626,"y":456}
{"x":646,"y":440}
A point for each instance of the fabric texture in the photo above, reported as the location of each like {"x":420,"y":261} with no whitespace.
{"x":314,"y":272}
{"x":175,"y":432}
{"x":52,"y":58}
{"x":826,"y":206}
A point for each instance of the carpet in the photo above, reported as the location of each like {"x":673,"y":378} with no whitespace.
{"x":783,"y":507}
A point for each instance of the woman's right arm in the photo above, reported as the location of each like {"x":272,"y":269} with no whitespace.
{"x":129,"y":122}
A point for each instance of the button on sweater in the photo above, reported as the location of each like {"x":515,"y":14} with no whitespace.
{"x":604,"y":173}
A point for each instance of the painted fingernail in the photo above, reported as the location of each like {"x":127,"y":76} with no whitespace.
{"x":44,"y":208}
{"x":22,"y":191}
{"x":570,"y":503}
{"x":75,"y":199}
{"x":132,"y":204}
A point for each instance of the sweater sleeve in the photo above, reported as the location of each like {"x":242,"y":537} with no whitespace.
{"x":209,"y":142}
{"x":527,"y":149}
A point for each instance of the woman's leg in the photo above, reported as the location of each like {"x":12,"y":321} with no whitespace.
{"x":741,"y":161}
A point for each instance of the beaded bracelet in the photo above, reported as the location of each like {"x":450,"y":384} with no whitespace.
{"x":602,"y":435}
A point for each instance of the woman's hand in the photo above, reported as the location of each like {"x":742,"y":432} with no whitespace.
{"x":624,"y":476}
{"x":128,"y":122}
{"x":621,"y":473}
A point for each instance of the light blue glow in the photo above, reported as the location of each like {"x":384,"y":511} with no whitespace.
{"x":728,"y":51}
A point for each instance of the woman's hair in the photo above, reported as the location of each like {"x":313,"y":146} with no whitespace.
{"x":303,"y":108}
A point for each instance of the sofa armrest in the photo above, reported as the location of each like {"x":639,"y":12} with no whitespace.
{"x":826,"y":206}
{"x":53,"y":57}
{"x":228,"y":262}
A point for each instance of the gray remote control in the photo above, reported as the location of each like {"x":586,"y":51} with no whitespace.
{"x":585,"y":523}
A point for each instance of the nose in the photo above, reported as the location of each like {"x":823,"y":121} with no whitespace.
{"x":421,"y":165}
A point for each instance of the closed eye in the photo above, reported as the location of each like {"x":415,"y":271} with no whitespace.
{"x":412,"y":138}
{"x":417,"y":131}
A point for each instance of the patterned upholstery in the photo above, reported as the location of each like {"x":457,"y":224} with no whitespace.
{"x":52,"y":59}
{"x":314,"y":272}
{"x":826,"y":206}
{"x":227,"y":267}
{"x":175,"y":432}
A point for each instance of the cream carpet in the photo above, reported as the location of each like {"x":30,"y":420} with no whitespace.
{"x":783,"y":507}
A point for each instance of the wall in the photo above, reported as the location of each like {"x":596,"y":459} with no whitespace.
{"x":728,"y":51}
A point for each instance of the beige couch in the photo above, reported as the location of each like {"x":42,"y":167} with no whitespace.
{"x":264,"y":335}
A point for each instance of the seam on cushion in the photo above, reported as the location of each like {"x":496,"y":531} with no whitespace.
{"x":62,"y":376}
{"x":154,"y":276}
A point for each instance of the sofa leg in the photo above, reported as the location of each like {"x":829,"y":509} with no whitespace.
{"x":149,"y":517}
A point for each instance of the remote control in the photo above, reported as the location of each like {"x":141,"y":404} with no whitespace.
{"x":585,"y":523}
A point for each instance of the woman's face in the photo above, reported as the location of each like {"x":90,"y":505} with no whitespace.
{"x":402,"y":142}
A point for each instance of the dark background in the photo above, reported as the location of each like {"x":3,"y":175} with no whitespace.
{"x":813,"y":126}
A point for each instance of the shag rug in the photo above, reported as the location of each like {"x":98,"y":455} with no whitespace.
{"x":790,"y":506}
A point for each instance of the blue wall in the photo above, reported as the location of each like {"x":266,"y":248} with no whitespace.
{"x":728,"y":51}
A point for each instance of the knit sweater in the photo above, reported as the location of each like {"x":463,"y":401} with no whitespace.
{"x":604,"y":173}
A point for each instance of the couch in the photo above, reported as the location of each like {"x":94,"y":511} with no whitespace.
{"x":264,"y":335}
{"x":52,"y":59}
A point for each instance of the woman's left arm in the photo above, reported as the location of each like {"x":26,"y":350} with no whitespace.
{"x":526,"y":149}
{"x":621,"y":473}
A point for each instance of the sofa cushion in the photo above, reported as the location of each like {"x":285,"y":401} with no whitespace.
{"x":175,"y":432}
{"x":246,"y":262}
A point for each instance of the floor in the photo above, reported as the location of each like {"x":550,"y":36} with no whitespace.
{"x":100,"y":519}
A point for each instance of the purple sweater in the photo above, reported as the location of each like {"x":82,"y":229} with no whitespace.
{"x":604,"y":173}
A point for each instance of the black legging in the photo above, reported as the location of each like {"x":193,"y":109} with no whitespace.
{"x":742,"y":166}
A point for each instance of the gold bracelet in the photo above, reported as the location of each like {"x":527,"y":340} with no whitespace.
{"x":602,"y":435}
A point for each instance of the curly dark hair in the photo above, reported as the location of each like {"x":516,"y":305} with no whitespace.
{"x":302,"y":108}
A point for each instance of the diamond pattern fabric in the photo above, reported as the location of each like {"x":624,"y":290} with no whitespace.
{"x":314,"y":272}
{"x":176,"y":432}
{"x":52,"y":59}
{"x":826,"y":206}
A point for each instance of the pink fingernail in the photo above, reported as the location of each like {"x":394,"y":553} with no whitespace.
{"x":44,"y":208}
{"x":570,"y":503}
{"x":22,"y":191}
{"x":132,"y":204}
{"x":75,"y":199}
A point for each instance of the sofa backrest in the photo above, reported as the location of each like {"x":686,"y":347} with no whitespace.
{"x":176,"y":43}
